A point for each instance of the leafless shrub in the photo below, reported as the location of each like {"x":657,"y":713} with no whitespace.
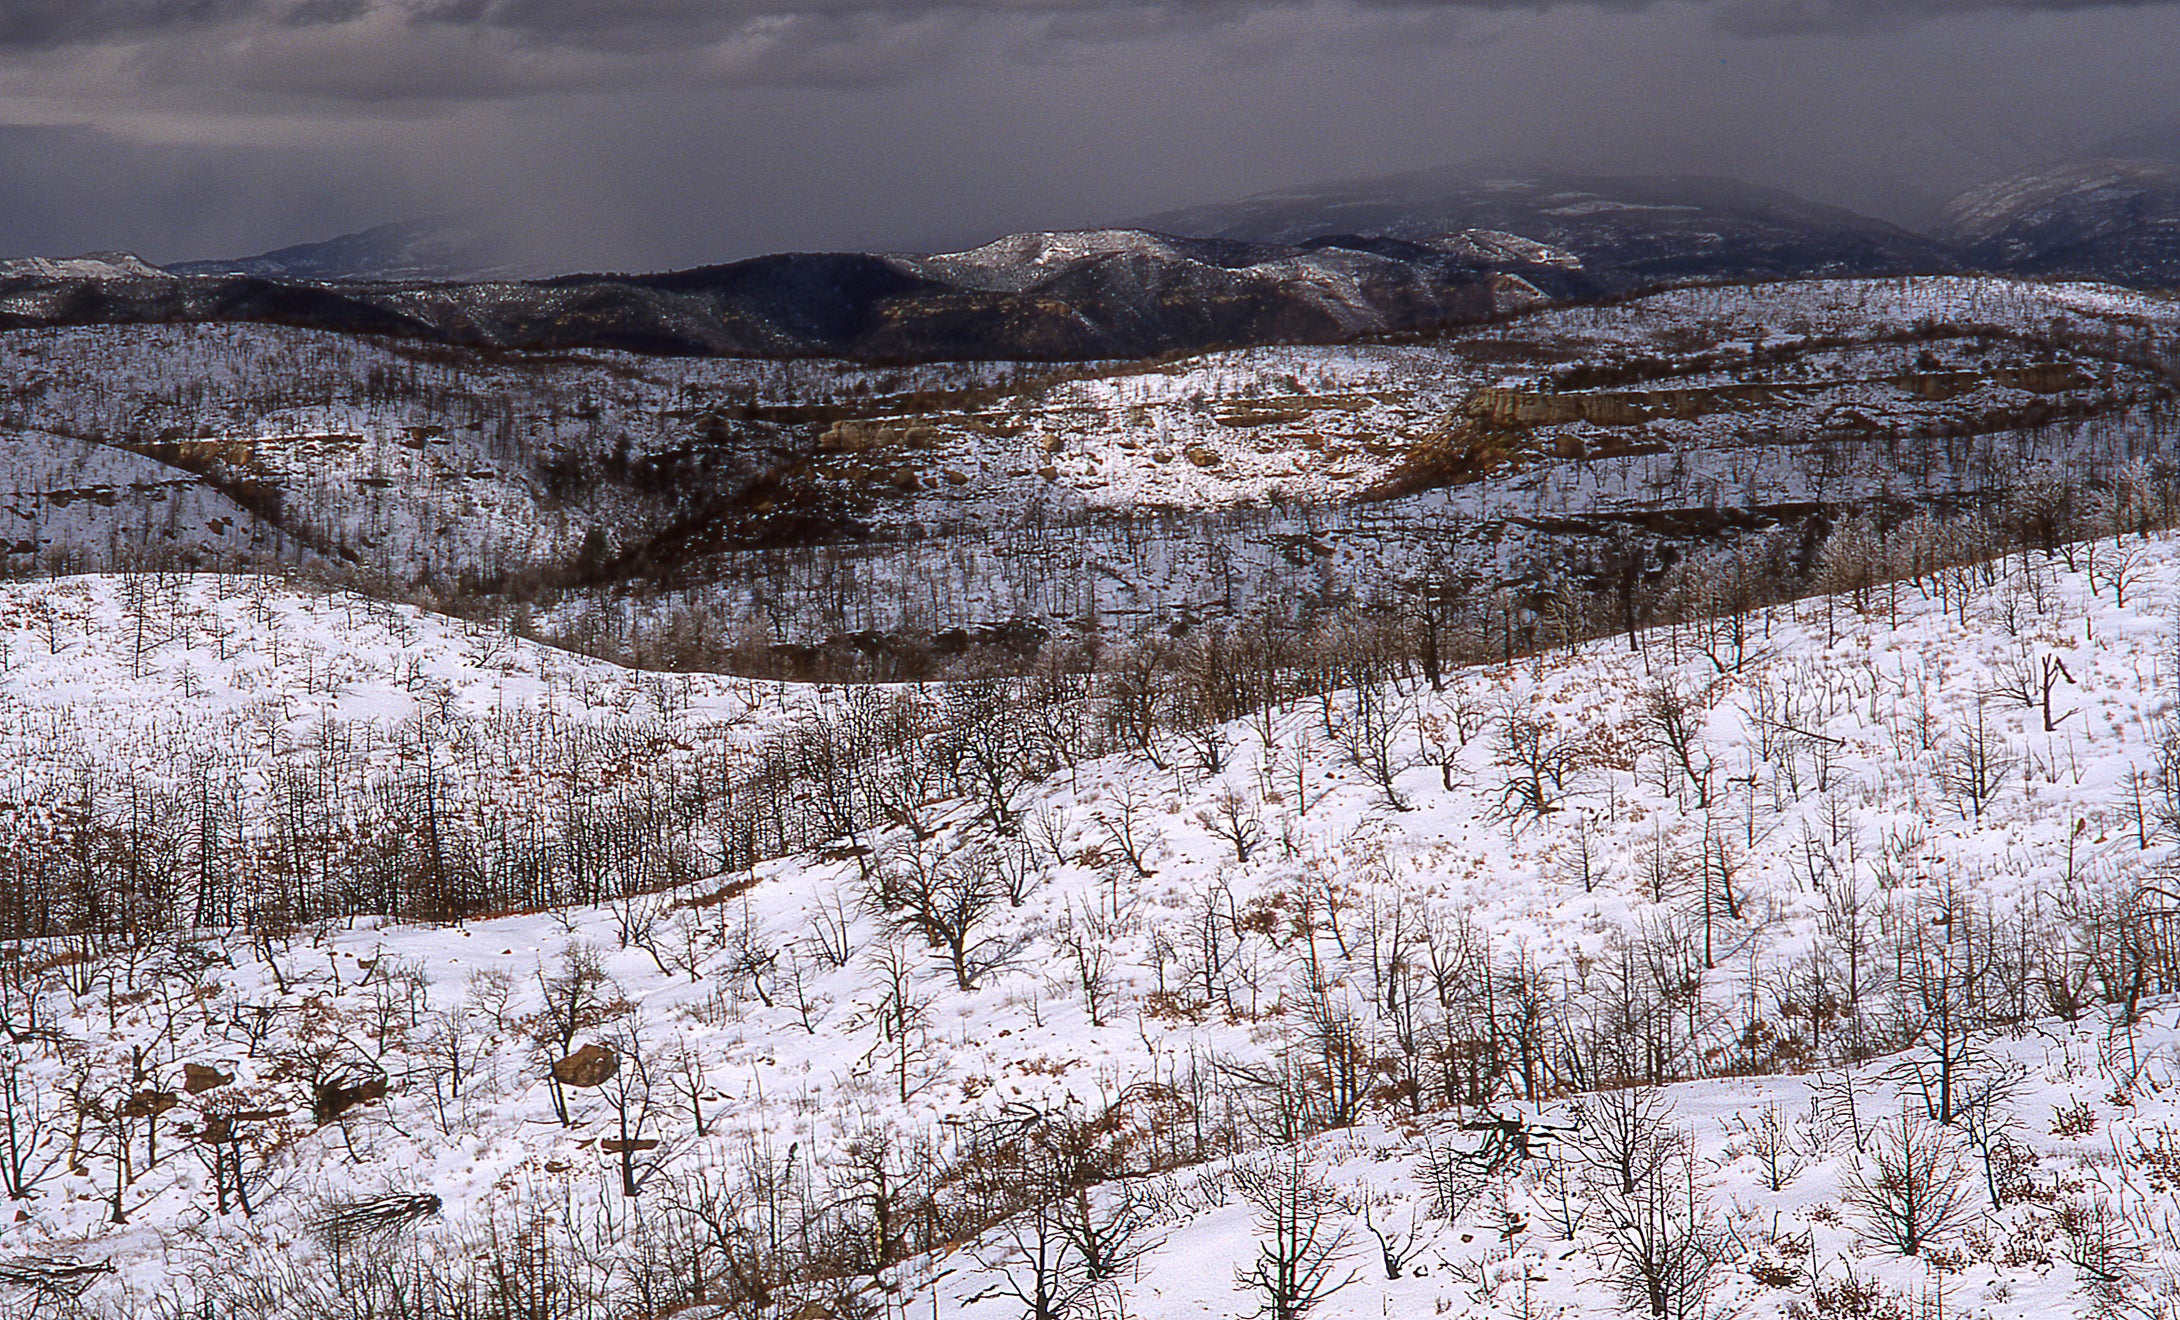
{"x":1398,"y":1243}
{"x":363,"y":1217}
{"x":1769,"y":1138}
{"x":1454,"y":1178}
{"x":1302,"y":1237}
{"x":1911,"y":1185}
{"x":1664,"y":1250}
{"x":1849,"y":1297}
{"x":51,"y":1280}
{"x":1087,"y":939}
{"x":1234,"y":818}
{"x":1623,"y":1139}
{"x":2110,"y":1256}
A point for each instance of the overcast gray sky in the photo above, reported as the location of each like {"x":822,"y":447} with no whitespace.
{"x":651,"y":133}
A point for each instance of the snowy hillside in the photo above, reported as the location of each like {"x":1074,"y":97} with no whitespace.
{"x":402,"y":464}
{"x":605,"y":491}
{"x":1810,"y":869}
{"x":1280,"y":425}
{"x":1671,"y":429}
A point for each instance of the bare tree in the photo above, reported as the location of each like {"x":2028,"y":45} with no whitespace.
{"x":1670,"y":716}
{"x":2120,"y":568}
{"x":1541,"y":762}
{"x":28,"y":1124}
{"x":1109,"y":1228}
{"x":630,"y":1094}
{"x":1302,"y":1237}
{"x":1913,"y":1184}
{"x":1623,"y":1139}
{"x":1398,"y":1244}
{"x":1664,"y":1249}
{"x":901,"y":1017}
{"x":1769,"y":1139}
{"x":1127,"y":830}
{"x":2031,"y":681}
{"x":1974,"y":766}
{"x":1235,"y":819}
{"x":1087,"y":939}
{"x":2110,"y":1254}
{"x":1036,"y":1266}
{"x":946,"y":901}
{"x":1371,"y":740}
{"x":576,"y":998}
{"x":988,"y":744}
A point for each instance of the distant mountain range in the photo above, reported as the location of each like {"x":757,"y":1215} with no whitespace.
{"x":1327,"y":263}
{"x":423,"y":249}
{"x":2116,"y":220}
{"x":1628,"y":232}
{"x":1096,"y":294}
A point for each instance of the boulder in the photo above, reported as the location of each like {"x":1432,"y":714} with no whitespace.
{"x":149,"y":1104}
{"x":592,"y":1065}
{"x":197,"y":1078}
{"x":346,"y":1087}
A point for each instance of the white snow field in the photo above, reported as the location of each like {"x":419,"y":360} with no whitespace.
{"x":403,"y":463}
{"x":1835,"y":863}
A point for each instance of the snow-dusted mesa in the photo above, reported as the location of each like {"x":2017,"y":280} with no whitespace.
{"x":89,"y":266}
{"x":1812,"y":960}
{"x":757,"y":504}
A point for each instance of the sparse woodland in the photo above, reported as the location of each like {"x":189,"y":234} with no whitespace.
{"x":1782,"y":930}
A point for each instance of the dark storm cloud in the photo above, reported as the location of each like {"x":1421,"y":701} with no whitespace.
{"x":1759,"y":17}
{"x":77,"y":189}
{"x":651,"y":133}
{"x":650,"y":24}
{"x":58,"y":22}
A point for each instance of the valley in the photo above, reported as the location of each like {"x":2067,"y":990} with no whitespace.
{"x":749,"y":504}
{"x":1089,"y":661}
{"x":1556,"y":814}
{"x":1729,"y":875}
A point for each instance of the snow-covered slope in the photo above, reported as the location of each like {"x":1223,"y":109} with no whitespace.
{"x":828,"y":499}
{"x":2119,"y":217}
{"x":1039,"y":296}
{"x":420,"y":249}
{"x":1156,"y":492}
{"x":1627,"y":231}
{"x":1164,"y":492}
{"x":1852,"y":838}
{"x":403,"y":465}
{"x":90,"y":266}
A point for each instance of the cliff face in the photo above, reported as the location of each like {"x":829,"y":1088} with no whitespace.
{"x":1510,"y":407}
{"x":2114,"y":220}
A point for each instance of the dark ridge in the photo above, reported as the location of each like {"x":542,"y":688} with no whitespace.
{"x":1407,"y":255}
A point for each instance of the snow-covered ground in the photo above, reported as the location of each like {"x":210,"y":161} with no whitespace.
{"x":1140,"y":484}
{"x":1297,"y":424}
{"x":1156,"y":495}
{"x":1803,"y":846}
{"x":391,"y":457}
